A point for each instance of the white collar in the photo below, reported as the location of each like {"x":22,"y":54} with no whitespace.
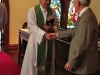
{"x":82,"y":11}
{"x":42,"y":9}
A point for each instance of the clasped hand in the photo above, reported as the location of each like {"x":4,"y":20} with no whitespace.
{"x":51,"y":36}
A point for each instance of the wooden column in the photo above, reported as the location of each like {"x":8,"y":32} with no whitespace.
{"x":64,"y":13}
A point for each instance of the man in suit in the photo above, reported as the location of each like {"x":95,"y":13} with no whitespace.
{"x":83,"y":54}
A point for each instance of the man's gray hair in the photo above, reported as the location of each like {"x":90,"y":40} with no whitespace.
{"x":85,"y":2}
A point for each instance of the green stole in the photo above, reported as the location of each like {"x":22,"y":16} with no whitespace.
{"x":43,"y":66}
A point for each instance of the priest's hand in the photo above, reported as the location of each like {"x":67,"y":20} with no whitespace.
{"x":54,"y":35}
{"x":51,"y":36}
{"x":47,"y":36}
{"x":68,"y":67}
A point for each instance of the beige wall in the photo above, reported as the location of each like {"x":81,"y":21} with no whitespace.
{"x":18,"y":15}
{"x":95,"y":5}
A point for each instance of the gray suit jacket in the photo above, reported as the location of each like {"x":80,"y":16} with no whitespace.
{"x":83,"y":53}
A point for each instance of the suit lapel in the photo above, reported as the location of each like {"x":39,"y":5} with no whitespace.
{"x":77,"y":23}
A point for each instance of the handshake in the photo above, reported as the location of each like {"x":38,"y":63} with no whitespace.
{"x":51,"y":36}
{"x":50,"y":33}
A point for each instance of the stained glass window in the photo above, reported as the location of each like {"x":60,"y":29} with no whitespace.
{"x":71,"y":15}
{"x":57,"y":6}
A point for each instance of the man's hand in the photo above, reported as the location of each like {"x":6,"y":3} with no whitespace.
{"x":54,"y":35}
{"x":51,"y":36}
{"x":68,"y":67}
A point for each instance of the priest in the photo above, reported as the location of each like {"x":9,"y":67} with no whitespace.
{"x":39,"y":55}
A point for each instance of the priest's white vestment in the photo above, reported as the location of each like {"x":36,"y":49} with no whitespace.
{"x":29,"y":66}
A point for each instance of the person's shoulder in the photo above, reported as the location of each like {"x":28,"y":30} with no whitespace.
{"x":2,"y":4}
{"x":32,"y":8}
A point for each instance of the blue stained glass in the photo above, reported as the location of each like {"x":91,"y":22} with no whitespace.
{"x":57,"y":6}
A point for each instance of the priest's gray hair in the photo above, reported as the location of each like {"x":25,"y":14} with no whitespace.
{"x":85,"y":2}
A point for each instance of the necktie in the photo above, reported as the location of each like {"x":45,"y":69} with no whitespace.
{"x":78,"y":18}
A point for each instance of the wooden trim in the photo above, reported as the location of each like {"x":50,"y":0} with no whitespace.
{"x":13,"y":47}
{"x":64,"y":13}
